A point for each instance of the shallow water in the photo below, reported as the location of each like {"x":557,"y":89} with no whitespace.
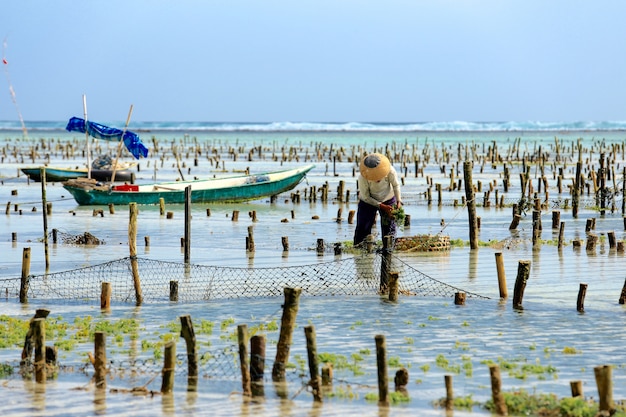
{"x":418,"y":329}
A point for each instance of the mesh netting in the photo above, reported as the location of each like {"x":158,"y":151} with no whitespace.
{"x":358,"y":275}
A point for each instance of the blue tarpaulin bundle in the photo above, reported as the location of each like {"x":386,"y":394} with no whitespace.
{"x":98,"y":131}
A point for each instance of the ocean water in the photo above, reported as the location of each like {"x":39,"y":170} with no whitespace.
{"x":419,"y":330}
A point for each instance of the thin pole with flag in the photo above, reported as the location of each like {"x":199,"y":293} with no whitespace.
{"x":87,"y":137}
{"x":119,"y":146}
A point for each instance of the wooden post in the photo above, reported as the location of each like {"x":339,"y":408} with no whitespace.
{"x":622,"y":297}
{"x":459,"y":298}
{"x":611,"y":236}
{"x":25,"y":276}
{"x":316,"y":380}
{"x":257,"y":364}
{"x":496,"y":391}
{"x":288,"y":322}
{"x":162,"y":206}
{"x":111,"y":208}
{"x":250,"y":240}
{"x":187,"y":248}
{"x":401,"y":381}
{"x":351,"y":214}
{"x":536,"y":228}
{"x":39,"y":335}
{"x":385,"y":264}
{"x":580,"y":304}
{"x":556,"y":219}
{"x":515,"y":221}
{"x":169,"y":366}
{"x":381,"y":363}
{"x":100,"y":360}
{"x":449,"y":392}
{"x":501,"y":275}
{"x":242,"y":338}
{"x":604,"y":382}
{"x":132,"y":246}
{"x":327,"y":375}
{"x":45,"y":216}
{"x":174,"y":291}
{"x":523,"y":272}
{"x":393,"y":286}
{"x":40,"y":313}
{"x":592,"y":240}
{"x":320,"y":247}
{"x":577,"y":388}
{"x":285,"y":242}
{"x":105,"y":296}
{"x":561,"y":230}
{"x":471,"y":204}
{"x":187,"y":332}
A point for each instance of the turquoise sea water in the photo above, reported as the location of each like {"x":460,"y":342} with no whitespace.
{"x":419,"y":330}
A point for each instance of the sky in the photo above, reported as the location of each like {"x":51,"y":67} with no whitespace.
{"x":314,"y":60}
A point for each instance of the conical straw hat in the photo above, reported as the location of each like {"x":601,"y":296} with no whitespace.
{"x":374,"y":167}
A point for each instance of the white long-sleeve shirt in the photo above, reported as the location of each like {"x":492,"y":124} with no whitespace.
{"x":376,"y":192}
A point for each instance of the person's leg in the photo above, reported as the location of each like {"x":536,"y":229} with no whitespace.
{"x":365,"y":217}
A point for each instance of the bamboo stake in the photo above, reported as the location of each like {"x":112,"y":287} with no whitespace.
{"x":169,"y":365}
{"x":25,"y":276}
{"x":288,"y":323}
{"x":604,"y":382}
{"x":496,"y":390}
{"x":45,"y":217}
{"x":132,"y":245}
{"x":381,"y":362}
{"x":39,"y":334}
{"x":187,"y":332}
{"x":242,"y":337}
{"x":316,"y":380}
{"x":501,"y":275}
{"x":100,"y":360}
{"x":523,"y":272}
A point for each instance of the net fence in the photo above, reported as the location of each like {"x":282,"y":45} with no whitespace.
{"x":350,"y":276}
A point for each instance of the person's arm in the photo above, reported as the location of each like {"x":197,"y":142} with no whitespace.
{"x":395,"y":184}
{"x":364,"y":193}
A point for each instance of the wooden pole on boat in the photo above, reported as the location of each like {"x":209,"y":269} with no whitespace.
{"x":119,"y":145}
{"x":132,"y":245}
{"x":187,"y":224}
{"x":45,"y":216}
{"x":87,"y":137}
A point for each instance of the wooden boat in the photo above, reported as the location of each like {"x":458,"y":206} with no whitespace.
{"x":63,"y":174}
{"x":226,"y":189}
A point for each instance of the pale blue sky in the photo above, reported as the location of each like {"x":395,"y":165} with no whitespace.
{"x":315,"y":60}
